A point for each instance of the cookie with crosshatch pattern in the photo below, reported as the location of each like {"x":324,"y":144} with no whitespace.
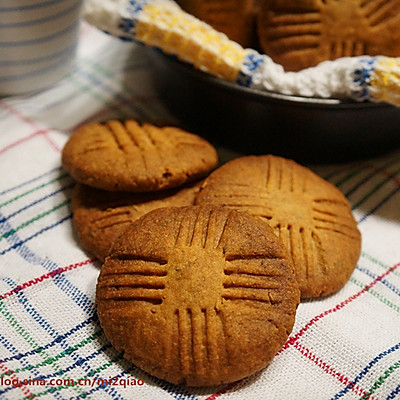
{"x":310,"y":215}
{"x":100,"y":216}
{"x":198,"y":295}
{"x":235,"y":18}
{"x":136,"y":157}
{"x":302,"y":33}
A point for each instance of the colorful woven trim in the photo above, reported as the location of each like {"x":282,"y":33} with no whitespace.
{"x":163,"y":24}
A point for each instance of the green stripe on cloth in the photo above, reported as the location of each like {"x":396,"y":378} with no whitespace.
{"x":101,"y":368}
{"x":375,"y":189}
{"x":34,"y":189}
{"x":381,"y":380}
{"x":38,"y":217}
{"x":379,"y":296}
{"x":25,"y":335}
{"x":348,"y":177}
{"x":52,"y":360}
{"x":377,"y":262}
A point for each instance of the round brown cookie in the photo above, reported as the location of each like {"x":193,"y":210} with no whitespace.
{"x":100,"y":216}
{"x":235,"y":18}
{"x":137,"y":158}
{"x":302,"y":33}
{"x":198,"y":295}
{"x":309,"y":214}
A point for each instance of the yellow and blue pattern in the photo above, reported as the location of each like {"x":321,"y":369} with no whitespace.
{"x":163,"y":24}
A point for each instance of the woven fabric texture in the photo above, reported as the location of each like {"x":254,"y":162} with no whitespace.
{"x":346,"y":346}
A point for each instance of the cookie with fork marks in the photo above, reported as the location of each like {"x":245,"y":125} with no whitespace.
{"x":310,"y":215}
{"x":101,"y":216}
{"x":302,"y":33}
{"x":136,"y":157}
{"x":198,"y":295}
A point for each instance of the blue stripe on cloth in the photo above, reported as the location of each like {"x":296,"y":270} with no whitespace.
{"x":42,"y":39}
{"x":117,"y":96}
{"x":19,"y":243}
{"x":46,"y":326}
{"x":79,"y":297}
{"x":385,"y":282}
{"x":7,"y":345}
{"x":171,"y":389}
{"x":340,"y":170}
{"x":22,"y":299}
{"x":394,"y":393}
{"x":36,"y":178}
{"x":371,"y":175}
{"x":358,"y":168}
{"x":123,"y":373}
{"x":42,"y":20}
{"x":43,"y":324}
{"x":79,"y":362}
{"x":175,"y":391}
{"x":379,"y":205}
{"x":56,"y":341}
{"x":10,"y":347}
{"x":34,"y":189}
{"x":365,"y":370}
{"x":3,"y":219}
{"x":24,"y":363}
{"x":31,"y":6}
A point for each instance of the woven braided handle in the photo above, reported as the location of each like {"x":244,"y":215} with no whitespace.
{"x":163,"y":24}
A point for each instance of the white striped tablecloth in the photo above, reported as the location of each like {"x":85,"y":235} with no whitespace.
{"x":346,"y":346}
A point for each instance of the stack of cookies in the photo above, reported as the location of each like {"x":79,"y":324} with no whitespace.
{"x":302,"y":33}
{"x":201,"y":279}
{"x":125,"y":170}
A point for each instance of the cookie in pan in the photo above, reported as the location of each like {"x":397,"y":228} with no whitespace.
{"x":302,"y":33}
{"x":310,"y":215}
{"x":101,"y":216}
{"x":198,"y":295}
{"x":136,"y":157}
{"x":235,"y":18}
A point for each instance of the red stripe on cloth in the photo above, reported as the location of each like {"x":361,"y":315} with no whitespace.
{"x":309,"y":324}
{"x":51,"y":142}
{"x":331,"y":371}
{"x":49,"y":275}
{"x":292,"y":340}
{"x":10,"y":146}
{"x":28,"y":394}
{"x":18,"y":114}
{"x":223,"y":391}
{"x":30,"y":122}
{"x":385,"y":173}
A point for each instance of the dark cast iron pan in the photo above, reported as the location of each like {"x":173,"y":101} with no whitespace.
{"x":250,"y":121}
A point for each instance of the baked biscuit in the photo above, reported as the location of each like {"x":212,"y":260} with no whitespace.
{"x":301,"y":33}
{"x":137,"y":158}
{"x":235,"y":18}
{"x":197,"y":295}
{"x":100,"y":216}
{"x":310,"y":215}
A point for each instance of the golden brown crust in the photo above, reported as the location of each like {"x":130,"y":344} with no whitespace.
{"x":310,"y":215}
{"x":198,"y":295}
{"x":100,"y":216}
{"x":302,"y":33}
{"x":137,"y":158}
{"x":235,"y":18}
